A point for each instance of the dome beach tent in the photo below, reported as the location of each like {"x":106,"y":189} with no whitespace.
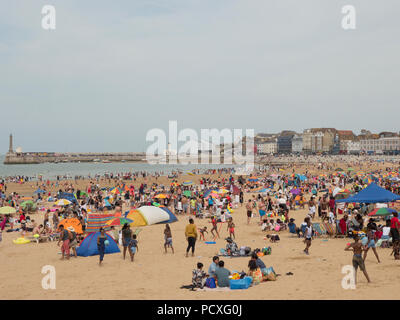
{"x":149,"y":215}
{"x":172,"y":217}
{"x":88,"y":245}
{"x":372,"y":194}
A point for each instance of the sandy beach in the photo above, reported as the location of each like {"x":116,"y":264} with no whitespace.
{"x":155,"y":275}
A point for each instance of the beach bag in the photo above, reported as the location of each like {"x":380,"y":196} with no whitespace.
{"x":210,"y":283}
{"x":241,"y":283}
{"x":267,"y":251}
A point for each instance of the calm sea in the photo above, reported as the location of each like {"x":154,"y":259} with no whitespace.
{"x":51,"y":170}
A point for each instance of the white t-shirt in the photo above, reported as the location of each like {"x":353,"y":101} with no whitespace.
{"x":331,"y":217}
{"x":309,"y":231}
{"x":385,"y":231}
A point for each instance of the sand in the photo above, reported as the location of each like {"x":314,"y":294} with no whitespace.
{"x":155,"y":275}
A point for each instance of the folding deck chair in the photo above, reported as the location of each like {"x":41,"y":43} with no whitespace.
{"x":329,"y":229}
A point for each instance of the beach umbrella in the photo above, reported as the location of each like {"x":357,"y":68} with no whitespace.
{"x":73,"y":223}
{"x":63,"y":202}
{"x":82,"y":194}
{"x":119,"y":221}
{"x":382,"y":212}
{"x":23,"y":204}
{"x":27,"y":203}
{"x":339,"y":169}
{"x":295,"y":191}
{"x":350,"y":169}
{"x":187,"y":183}
{"x":161,"y":196}
{"x":26,"y":198}
{"x":39,"y":191}
{"x":7,"y":210}
{"x":253,"y":179}
{"x":187,"y":193}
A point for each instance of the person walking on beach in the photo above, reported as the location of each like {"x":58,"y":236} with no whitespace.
{"x":133,"y":247}
{"x":168,"y":238}
{"x":191,"y":236}
{"x":101,"y":246}
{"x":126,"y":238}
{"x":358,"y":261}
{"x":73,"y":241}
{"x":64,"y":237}
{"x":308,"y":235}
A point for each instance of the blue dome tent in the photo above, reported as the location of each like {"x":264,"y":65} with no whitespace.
{"x":88,"y":245}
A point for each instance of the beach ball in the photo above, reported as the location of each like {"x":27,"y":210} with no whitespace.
{"x":36,"y":236}
{"x":106,"y":242}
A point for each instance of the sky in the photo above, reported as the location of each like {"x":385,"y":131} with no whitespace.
{"x":113,"y":70}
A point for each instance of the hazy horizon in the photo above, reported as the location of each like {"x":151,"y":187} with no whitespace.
{"x":109,"y":73}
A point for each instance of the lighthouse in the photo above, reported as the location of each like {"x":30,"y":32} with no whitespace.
{"x":11,"y":149}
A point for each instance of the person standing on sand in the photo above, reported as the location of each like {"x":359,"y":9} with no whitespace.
{"x":358,"y":261}
{"x":308,"y":235}
{"x":191,"y":236}
{"x":168,"y":238}
{"x":55,"y":220}
{"x":249,"y":208}
{"x":64,"y":237}
{"x":371,"y":243}
{"x":101,"y":246}
{"x":126,"y":238}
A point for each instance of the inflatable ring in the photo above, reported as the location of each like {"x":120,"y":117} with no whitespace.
{"x":21,"y":241}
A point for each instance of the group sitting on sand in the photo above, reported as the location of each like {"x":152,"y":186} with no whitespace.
{"x":219,"y":276}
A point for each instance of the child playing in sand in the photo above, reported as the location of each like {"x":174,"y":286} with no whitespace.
{"x":199,"y":276}
{"x":168,"y":238}
{"x":273,"y":237}
{"x":308,"y":234}
{"x":214,"y":227}
{"x":231,"y":228}
{"x":202,"y":231}
{"x":133,"y":246}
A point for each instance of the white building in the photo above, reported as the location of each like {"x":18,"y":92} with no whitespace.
{"x":297,"y":143}
{"x":380,"y":145}
{"x":268,"y":147}
{"x":350,"y":146}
